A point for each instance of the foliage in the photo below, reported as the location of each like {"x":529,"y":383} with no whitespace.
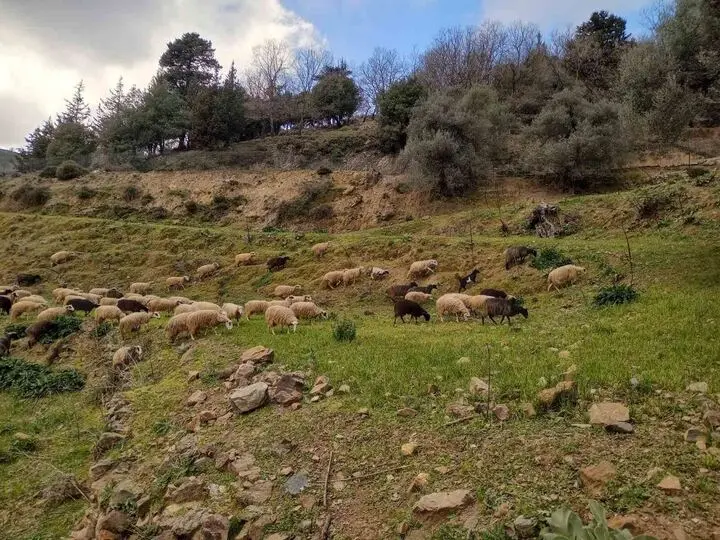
{"x":32,"y":157}
{"x":101,"y":330}
{"x":71,"y":142}
{"x":68,"y":170}
{"x":34,"y":381}
{"x":620,"y":293}
{"x":344,"y":330}
{"x":564,"y":524}
{"x":48,"y":172}
{"x":395,"y":108}
{"x":65,"y":326}
{"x":695,"y":172}
{"x":130,"y":193}
{"x":17,"y":328}
{"x":28,"y":196}
{"x":550,"y":258}
{"x":188,"y":63}
{"x":336,"y":97}
{"x":302,"y":205}
{"x":651,"y":201}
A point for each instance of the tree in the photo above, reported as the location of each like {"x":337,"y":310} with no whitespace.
{"x":268,"y":78}
{"x":395,"y":108}
{"x":521,"y":40}
{"x":71,"y":141}
{"x":114,"y":121}
{"x":384,"y":68}
{"x":76,"y":110}
{"x":306,"y":67}
{"x":33,"y":156}
{"x":162,"y":117}
{"x":189,"y":62}
{"x":336,"y":96}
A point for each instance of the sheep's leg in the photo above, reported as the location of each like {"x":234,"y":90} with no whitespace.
{"x":493,"y":320}
{"x":272,"y":330}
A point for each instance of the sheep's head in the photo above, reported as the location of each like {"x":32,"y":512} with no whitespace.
{"x":186,"y":278}
{"x":69,"y":308}
{"x":432,"y":263}
{"x":522,"y":311}
{"x":297,"y":288}
{"x":155,"y":315}
{"x":229,"y":325}
{"x":426,"y":315}
{"x":215,"y":265}
{"x":581,"y":269}
{"x":413,"y":284}
{"x":307,"y":298}
{"x":324,"y":314}
{"x":223,"y":318}
{"x":136,"y":351}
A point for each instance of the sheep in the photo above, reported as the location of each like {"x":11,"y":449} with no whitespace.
{"x":467,"y":280}
{"x":403,"y":307}
{"x":125,"y":356}
{"x":504,"y":307}
{"x":60,"y":293}
{"x":108,"y":313}
{"x":399,"y":291}
{"x":104,"y":292}
{"x":280,"y":316}
{"x":320,"y":249}
{"x":6,"y":343}
{"x":95,"y":298}
{"x":478,"y":305}
{"x":497,"y":293}
{"x":245,"y":259}
{"x":133,"y":322}
{"x":256,"y":307}
{"x":82,"y":304}
{"x":516,"y":255}
{"x":565,"y":275}
{"x":128,"y":305}
{"x":207,"y":318}
{"x":176,"y":326}
{"x":351,"y":275}
{"x":177,"y":282}
{"x":140,"y":287}
{"x":283,"y":291}
{"x":452,"y":304}
{"x":332,"y":279}
{"x":20,"y":294}
{"x":20,"y":308}
{"x":28,"y":280}
{"x":6,"y":290}
{"x":137,"y":298}
{"x":427,"y":289}
{"x":62,"y":257}
{"x":35,"y":298}
{"x":418,"y":297}
{"x":277,"y":263}
{"x":180,"y":299}
{"x":420,"y":269}
{"x":5,"y":304}
{"x":51,"y":314}
{"x":233,"y":311}
{"x":38,"y":329}
{"x":162,"y":304}
{"x":308,"y":310}
{"x":105,"y":301}
{"x":292,"y":299}
{"x":377,"y":273}
{"x":207,"y":270}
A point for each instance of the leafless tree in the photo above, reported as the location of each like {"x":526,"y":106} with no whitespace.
{"x":306,"y":66}
{"x":268,"y":76}
{"x":522,"y":39}
{"x":379,"y":72}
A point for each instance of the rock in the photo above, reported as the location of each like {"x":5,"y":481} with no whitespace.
{"x":670,"y":484}
{"x":244,"y":371}
{"x":525,"y":527}
{"x":419,"y":483}
{"x":258,"y":355}
{"x":107,"y":441}
{"x":562,"y":392}
{"x":321,"y":386}
{"x":433,"y":389}
{"x":403,"y":528}
{"x":407,"y":412}
{"x":528,"y":410}
{"x":184,"y":525}
{"x":712,"y":418}
{"x":502,"y":511}
{"x":595,"y":477}
{"x":698,"y":387}
{"x":443,"y":501}
{"x":630,"y":523}
{"x":459,"y":410}
{"x":297,"y":483}
{"x":213,"y":527}
{"x":478,"y":387}
{"x":287,"y":390}
{"x":501,"y":412}
{"x":101,"y":468}
{"x":286,"y":471}
{"x":442,"y":469}
{"x":277,"y":536}
{"x":198,"y":396}
{"x":193,"y":375}
{"x":204,"y":417}
{"x":620,"y":427}
{"x":363,"y":411}
{"x":694,"y":434}
{"x":315,"y":399}
{"x":104,"y":534}
{"x":308,"y":502}
{"x":608,"y":412}
{"x":192,"y":489}
{"x":250,"y":397}
{"x":259,"y":493}
{"x":463,"y":360}
{"x":408,"y":449}
{"x":344,"y":389}
{"x":124,"y":491}
{"x":114,"y":521}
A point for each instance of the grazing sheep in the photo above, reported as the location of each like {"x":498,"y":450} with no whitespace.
{"x":207,"y":318}
{"x":37,"y":330}
{"x":280,"y":316}
{"x":428,"y":289}
{"x":506,"y":308}
{"x":197,"y":306}
{"x":62,"y":257}
{"x":180,"y":299}
{"x":565,"y":275}
{"x":28,"y":280}
{"x":207,"y":270}
{"x":420,"y":269}
{"x":61,"y":293}
{"x":452,"y":304}
{"x":125,"y":356}
{"x":6,"y":343}
{"x":20,"y":294}
{"x":256,"y":307}
{"x":497,"y":293}
{"x":279,"y":303}
{"x":245,"y":259}
{"x":477,"y":305}
{"x":418,"y":297}
{"x":104,"y":292}
{"x":162,"y":305}
{"x":516,"y":255}
{"x":35,"y":298}
{"x":377,"y":273}
{"x":108,"y":313}
{"x":137,"y":297}
{"x":283,"y":291}
{"x":405,"y":307}
{"x":133,"y":322}
{"x":109,"y":301}
{"x":128,"y":305}
{"x":53,"y":313}
{"x":467,"y":280}
{"x":351,"y":275}
{"x":308,"y":310}
{"x":233,"y":311}
{"x":21,"y":308}
{"x":140,"y":287}
{"x":5,"y":290}
{"x":176,"y":326}
{"x":5,"y":304}
{"x":177,"y":282}
{"x":399,"y":291}
{"x":277,"y":263}
{"x":332,"y":279}
{"x":320,"y":249}
{"x":294,"y":299}
{"x":82,"y":304}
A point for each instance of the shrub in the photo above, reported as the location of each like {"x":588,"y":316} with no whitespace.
{"x":344,"y":330}
{"x":17,"y":328}
{"x":322,"y":211}
{"x":191,"y":207}
{"x":395,"y":107}
{"x":34,"y":381}
{"x":565,"y":523}
{"x":130,"y":193}
{"x":550,"y":258}
{"x":146,"y":199}
{"x":695,"y":172}
{"x":48,"y":172}
{"x":650,"y":201}
{"x":64,"y":327}
{"x":68,"y":170}
{"x":28,"y":196}
{"x":101,"y":330}
{"x":157,"y":212}
{"x":85,"y":193}
{"x":301,"y":206}
{"x":615,"y":295}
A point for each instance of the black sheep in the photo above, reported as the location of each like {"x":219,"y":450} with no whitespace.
{"x":114,"y":293}
{"x":81,"y":304}
{"x":516,"y":255}
{"x":5,"y":304}
{"x":407,"y":307}
{"x":467,"y":280}
{"x":504,"y":308}
{"x":496,"y":293}
{"x":277,"y":263}
{"x":5,"y":342}
{"x":37,"y":330}
{"x":130,"y":306}
{"x":427,"y":289}
{"x":399,"y":291}
{"x":27,"y":280}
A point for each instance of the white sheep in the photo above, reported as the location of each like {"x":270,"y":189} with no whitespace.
{"x":280,"y":316}
{"x":207,"y":270}
{"x":34,"y":298}
{"x":19,"y":294}
{"x":256,"y":307}
{"x":320,"y":249}
{"x":22,"y":307}
{"x":61,"y":293}
{"x":233,"y":311}
{"x":420,"y":269}
{"x":207,"y":318}
{"x":283,"y":291}
{"x":137,"y":297}
{"x":105,"y":301}
{"x":244,"y":259}
{"x":418,"y":297}
{"x":478,"y":305}
{"x":452,"y":304}
{"x":140,"y":287}
{"x":308,"y":310}
{"x":125,"y":356}
{"x":332,"y":279}
{"x":180,"y":299}
{"x":108,"y":313}
{"x":351,"y":275}
{"x":294,"y":299}
{"x":62,"y":257}
{"x":177,"y":325}
{"x":565,"y":275}
{"x":377,"y":273}
{"x":53,"y":313}
{"x":162,"y":304}
{"x":279,"y":303}
{"x":177,"y":282}
{"x":133,"y":321}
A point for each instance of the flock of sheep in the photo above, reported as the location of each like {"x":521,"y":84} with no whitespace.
{"x":136,"y":308}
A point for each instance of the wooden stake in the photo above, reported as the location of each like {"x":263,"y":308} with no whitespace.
{"x":327,"y":477}
{"x":460,"y":420}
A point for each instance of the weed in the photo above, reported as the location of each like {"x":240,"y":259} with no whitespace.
{"x":179,"y":193}
{"x":695,"y":172}
{"x":263,"y":280}
{"x":450,"y":532}
{"x":130,"y":193}
{"x":550,"y":258}
{"x":176,"y":469}
{"x":146,"y":199}
{"x":651,"y":201}
{"x":33,"y":380}
{"x":344,"y":330}
{"x":101,"y":330}
{"x":16,"y":328}
{"x":629,"y":497}
{"x":28,"y":196}
{"x":613,"y":295}
{"x":191,"y":207}
{"x":565,"y":523}
{"x":301,"y":206}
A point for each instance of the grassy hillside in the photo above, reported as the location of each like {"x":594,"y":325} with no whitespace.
{"x":527,"y":465}
{"x":7,"y":161}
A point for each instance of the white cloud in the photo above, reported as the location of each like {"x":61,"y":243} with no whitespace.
{"x":47,"y":47}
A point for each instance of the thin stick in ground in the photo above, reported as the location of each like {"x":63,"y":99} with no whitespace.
{"x":381,"y":472}
{"x":327,"y":477}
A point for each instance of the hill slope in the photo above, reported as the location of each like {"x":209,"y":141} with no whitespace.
{"x":7,"y":161}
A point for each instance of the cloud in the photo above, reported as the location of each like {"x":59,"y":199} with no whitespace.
{"x":49,"y":46}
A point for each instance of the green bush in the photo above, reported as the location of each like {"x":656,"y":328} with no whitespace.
{"x":302,"y":205}
{"x":102,"y":330}
{"x":565,"y":524}
{"x":64,"y":327}
{"x":650,"y":201}
{"x":85,"y":193}
{"x":616,"y":295}
{"x":130,"y":193}
{"x":48,"y":172}
{"x":34,"y":381}
{"x":28,"y":196}
{"x":68,"y":170}
{"x":17,"y":328}
{"x":550,"y":258}
{"x":344,"y":330}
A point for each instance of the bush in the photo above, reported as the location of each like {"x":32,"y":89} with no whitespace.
{"x":395,"y":107}
{"x":48,"y":172}
{"x":102,"y":330}
{"x":28,"y":196}
{"x":130,"y":193}
{"x":695,"y":172}
{"x":650,"y":201}
{"x":64,"y":327}
{"x":68,"y":170}
{"x":322,"y":211}
{"x":157,"y":212}
{"x":34,"y":381}
{"x":301,"y":206}
{"x":344,"y":330}
{"x":616,"y":295}
{"x":550,"y":258}
{"x":85,"y":193}
{"x":17,"y":328}
{"x":191,"y":207}
{"x":146,"y":199}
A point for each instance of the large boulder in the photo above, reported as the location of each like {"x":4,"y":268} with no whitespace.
{"x":250,"y":397}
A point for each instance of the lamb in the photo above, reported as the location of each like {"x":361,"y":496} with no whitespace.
{"x":128,"y":305}
{"x":140,"y":287}
{"x":280,"y":316}
{"x":308,"y":310}
{"x":452,"y":304}
{"x":405,"y":307}
{"x":51,"y":314}
{"x":108,"y":313}
{"x":420,"y":269}
{"x":504,"y":307}
{"x":21,"y":308}
{"x":428,"y":289}
{"x":332,"y":279}
{"x":176,"y":326}
{"x":245,"y":259}
{"x":256,"y":307}
{"x":292,"y":299}
{"x":162,"y":305}
{"x":283,"y":291}
{"x":277,"y":263}
{"x":177,"y":282}
{"x":35,"y":298}
{"x":497,"y":293}
{"x":105,"y":301}
{"x":207,"y":318}
{"x":106,"y":293}
{"x":233,"y":311}
{"x":353,"y":274}
{"x":207,"y":270}
{"x":133,"y":322}
{"x":5,"y":304}
{"x":516,"y":255}
{"x":125,"y":356}
{"x":37,"y":330}
{"x":418,"y":297}
{"x":565,"y":275}
{"x":399,"y":291}
{"x":320,"y":249}
{"x":467,"y":280}
{"x":28,"y":280}
{"x":82,"y":304}
{"x":377,"y":273}
{"x":62,"y":257}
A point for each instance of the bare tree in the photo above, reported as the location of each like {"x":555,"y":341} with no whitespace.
{"x":307,"y":65}
{"x":384,"y":68}
{"x":522,"y":39}
{"x":268,"y":76}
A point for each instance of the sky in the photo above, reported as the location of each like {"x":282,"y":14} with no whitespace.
{"x":47,"y":46}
